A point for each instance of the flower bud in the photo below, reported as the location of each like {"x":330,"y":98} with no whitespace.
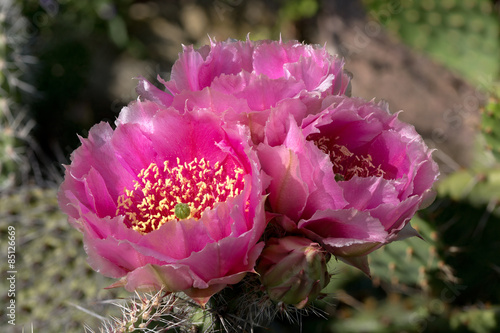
{"x":293,"y":270}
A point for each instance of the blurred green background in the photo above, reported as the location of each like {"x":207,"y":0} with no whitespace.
{"x":66,"y":65}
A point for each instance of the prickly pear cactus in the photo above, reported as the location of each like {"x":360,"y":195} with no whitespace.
{"x":431,"y":285}
{"x":441,"y":283}
{"x":14,"y":125}
{"x":481,"y":189}
{"x":410,"y":262}
{"x":55,"y":289}
{"x":491,"y":124}
{"x":460,"y":34}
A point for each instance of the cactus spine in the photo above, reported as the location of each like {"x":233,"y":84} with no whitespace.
{"x":15,"y":126}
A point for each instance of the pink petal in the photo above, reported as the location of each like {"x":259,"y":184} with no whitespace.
{"x":98,"y":153}
{"x":287,"y":191}
{"x":340,"y":228}
{"x":185,"y":71}
{"x":155,"y":277}
{"x":260,"y":92}
{"x":148,"y":91}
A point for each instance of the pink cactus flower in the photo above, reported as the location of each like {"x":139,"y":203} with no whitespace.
{"x":167,"y":200}
{"x":349,"y":178}
{"x":245,"y":80}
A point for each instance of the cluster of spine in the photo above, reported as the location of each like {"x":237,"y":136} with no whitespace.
{"x":156,"y":312}
{"x":15,"y":126}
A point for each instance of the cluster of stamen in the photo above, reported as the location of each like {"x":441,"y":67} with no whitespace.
{"x":192,"y":187}
{"x":345,"y":163}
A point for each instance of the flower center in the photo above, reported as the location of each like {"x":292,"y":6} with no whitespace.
{"x":184,"y":191}
{"x":345,"y":163}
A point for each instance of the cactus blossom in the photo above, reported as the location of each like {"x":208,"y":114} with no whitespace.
{"x":293,"y":270}
{"x":167,"y":200}
{"x":351,"y":178}
{"x":246,"y":79}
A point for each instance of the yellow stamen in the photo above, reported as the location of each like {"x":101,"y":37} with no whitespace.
{"x":195,"y":185}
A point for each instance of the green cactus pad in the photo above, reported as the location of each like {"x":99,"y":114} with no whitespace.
{"x":461,"y":34}
{"x":481,"y":189}
{"x":491,"y":124}
{"x":408,"y":262}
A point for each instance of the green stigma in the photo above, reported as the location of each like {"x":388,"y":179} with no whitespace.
{"x":182,"y":211}
{"x":338,"y":178}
